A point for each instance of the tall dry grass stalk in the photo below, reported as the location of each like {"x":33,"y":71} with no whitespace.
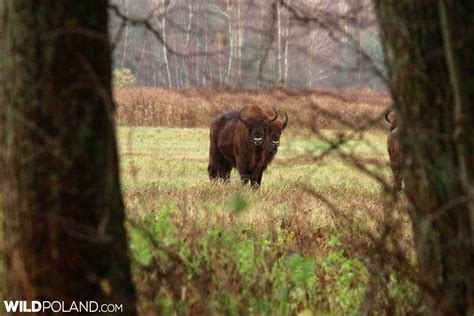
{"x":322,"y":109}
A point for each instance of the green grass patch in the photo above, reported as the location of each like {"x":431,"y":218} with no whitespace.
{"x":296,"y":246}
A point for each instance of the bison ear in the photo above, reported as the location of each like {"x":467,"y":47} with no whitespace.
{"x":243,"y":119}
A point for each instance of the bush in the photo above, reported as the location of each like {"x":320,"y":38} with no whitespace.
{"x":237,"y":270}
{"x":123,"y":77}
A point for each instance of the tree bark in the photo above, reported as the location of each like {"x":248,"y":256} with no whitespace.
{"x":429,"y":50}
{"x":62,"y":204}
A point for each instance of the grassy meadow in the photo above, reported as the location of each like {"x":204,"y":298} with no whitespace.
{"x":297,"y":246}
{"x":313,"y":240}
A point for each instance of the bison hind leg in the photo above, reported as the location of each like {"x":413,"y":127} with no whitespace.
{"x":219,"y":169}
{"x":259,"y":177}
{"x":212,"y":171}
{"x":397,"y":181}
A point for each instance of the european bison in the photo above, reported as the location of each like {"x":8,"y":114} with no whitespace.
{"x":276,"y":128}
{"x":393,"y":122}
{"x":239,"y":139}
{"x":393,"y":148}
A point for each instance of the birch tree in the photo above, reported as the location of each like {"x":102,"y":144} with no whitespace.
{"x":231,"y":45}
{"x":125,"y":35}
{"x":279,"y":43}
{"x":190,"y":10}
{"x":239,"y":42}
{"x":286,"y":59}
{"x":162,"y":7}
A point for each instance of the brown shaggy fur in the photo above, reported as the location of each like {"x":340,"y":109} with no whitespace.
{"x":232,"y":144}
{"x":396,"y":163}
{"x":393,"y":122}
{"x":393,"y":148}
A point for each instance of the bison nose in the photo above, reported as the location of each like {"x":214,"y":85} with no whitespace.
{"x":258,"y":141}
{"x":275,"y":143}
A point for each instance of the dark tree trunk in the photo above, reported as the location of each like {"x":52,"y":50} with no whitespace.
{"x":62,"y":204}
{"x":429,"y":51}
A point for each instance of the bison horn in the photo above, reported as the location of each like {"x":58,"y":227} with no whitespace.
{"x":386,"y":116}
{"x":274,"y":118}
{"x":285,"y":121}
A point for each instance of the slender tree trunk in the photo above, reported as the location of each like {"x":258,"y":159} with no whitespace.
{"x":207,"y":64}
{"x":185,"y":73}
{"x":343,"y":9}
{"x":272,"y":70}
{"x":142,"y":55}
{"x":429,"y":49}
{"x":310,"y":68}
{"x":190,"y":22}
{"x":176,"y":65}
{"x":259,"y":43}
{"x":279,"y":45}
{"x":360,"y":36}
{"x":125,"y":37}
{"x":186,"y":44}
{"x":165,"y":49}
{"x":62,"y":205}
{"x":153,"y":72}
{"x":239,"y":33}
{"x":197,"y":71}
{"x":219,"y":51}
{"x":231,"y":43}
{"x":286,"y":54}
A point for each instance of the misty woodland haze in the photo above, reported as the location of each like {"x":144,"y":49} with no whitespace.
{"x":249,"y":43}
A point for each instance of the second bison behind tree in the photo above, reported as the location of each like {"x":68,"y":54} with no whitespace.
{"x":246,"y":140}
{"x":394,"y":153}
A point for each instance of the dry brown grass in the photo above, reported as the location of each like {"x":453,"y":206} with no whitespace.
{"x":303,"y":206}
{"x":324,"y":109}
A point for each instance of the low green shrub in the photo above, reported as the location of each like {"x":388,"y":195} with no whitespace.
{"x":238,"y":270}
{"x":123,"y":77}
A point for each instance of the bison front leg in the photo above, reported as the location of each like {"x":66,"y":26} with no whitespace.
{"x":397,"y":180}
{"x":247,"y":172}
{"x":259,"y":178}
{"x":255,"y":183}
{"x":396,"y":162}
{"x":249,"y":177}
{"x":245,"y":177}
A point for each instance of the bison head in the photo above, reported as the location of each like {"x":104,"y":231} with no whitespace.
{"x":276,"y":128}
{"x":257,"y":127}
{"x":394,"y":122}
